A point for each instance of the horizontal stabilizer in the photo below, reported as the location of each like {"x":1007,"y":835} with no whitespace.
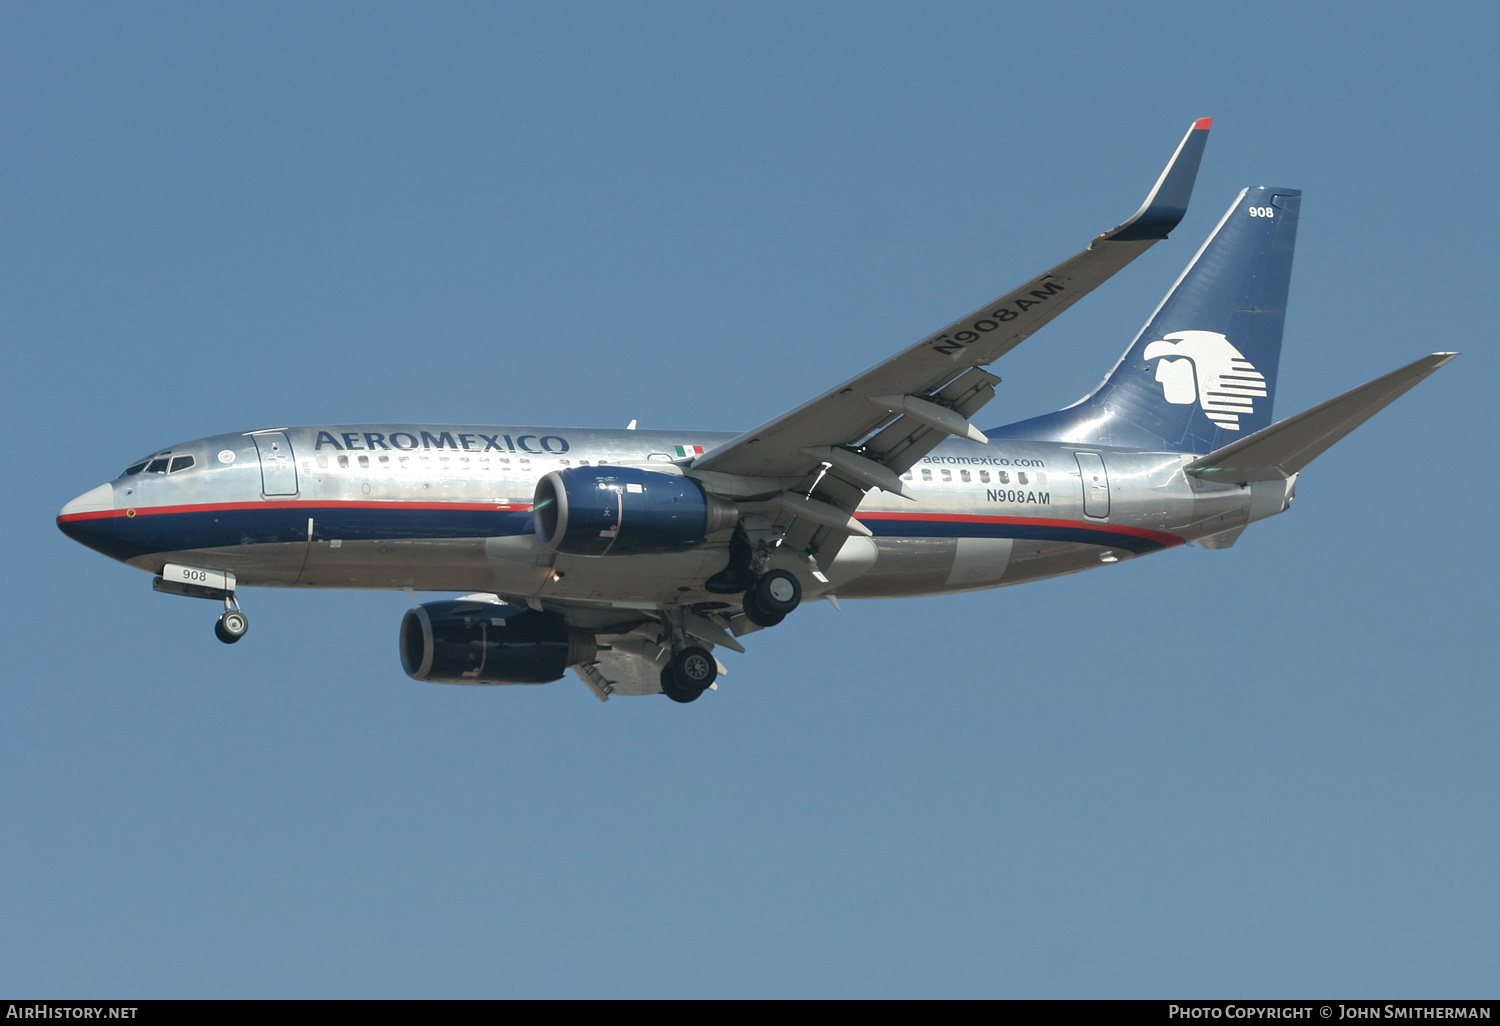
{"x":1284,"y":448}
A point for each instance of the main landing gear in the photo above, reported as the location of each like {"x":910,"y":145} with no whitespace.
{"x":768,"y":595}
{"x":771,"y":597}
{"x":233,"y":624}
{"x":689,"y":674}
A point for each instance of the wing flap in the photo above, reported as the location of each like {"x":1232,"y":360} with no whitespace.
{"x":904,"y":441}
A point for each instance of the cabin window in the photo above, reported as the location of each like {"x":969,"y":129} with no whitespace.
{"x":563,"y":462}
{"x":180,"y":463}
{"x":947,"y":475}
{"x":364,"y":461}
{"x":344,"y":461}
{"x":963,"y":475}
{"x":322,"y":460}
{"x":906,"y":476}
{"x":926,"y":474}
{"x":583,"y":463}
{"x":1003,"y":476}
{"x":984,"y":477}
{"x":1020,"y":477}
{"x":385,"y":459}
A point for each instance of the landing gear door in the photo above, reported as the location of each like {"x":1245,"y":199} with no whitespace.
{"x":1095,"y":485}
{"x":278,"y":467}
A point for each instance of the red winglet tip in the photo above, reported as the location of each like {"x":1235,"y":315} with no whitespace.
{"x":1204,"y":123}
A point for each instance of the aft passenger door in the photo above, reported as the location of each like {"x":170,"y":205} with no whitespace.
{"x":1095,"y":485}
{"x":278,"y":466}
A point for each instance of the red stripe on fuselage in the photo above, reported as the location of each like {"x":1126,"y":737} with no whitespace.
{"x":214,"y":507}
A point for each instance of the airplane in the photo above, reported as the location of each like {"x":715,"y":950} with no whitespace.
{"x":630,"y":556}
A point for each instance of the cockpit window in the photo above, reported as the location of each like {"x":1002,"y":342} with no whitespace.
{"x":181,"y":463}
{"x":154,"y":464}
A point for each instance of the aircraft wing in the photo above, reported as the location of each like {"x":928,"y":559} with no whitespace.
{"x":871,"y":429}
{"x":939,"y":370}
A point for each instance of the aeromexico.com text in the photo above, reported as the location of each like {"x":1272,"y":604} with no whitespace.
{"x":984,"y":461}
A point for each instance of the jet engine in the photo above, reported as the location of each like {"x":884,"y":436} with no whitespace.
{"x":466,"y":641}
{"x":624,"y":511}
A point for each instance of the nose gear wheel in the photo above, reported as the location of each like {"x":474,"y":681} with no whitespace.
{"x":231,"y":626}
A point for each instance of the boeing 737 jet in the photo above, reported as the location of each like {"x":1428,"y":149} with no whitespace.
{"x":630,"y":556}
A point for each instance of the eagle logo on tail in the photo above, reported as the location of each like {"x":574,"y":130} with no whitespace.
{"x":1202,"y":367}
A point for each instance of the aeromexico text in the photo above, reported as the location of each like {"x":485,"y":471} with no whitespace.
{"x":477,"y":441}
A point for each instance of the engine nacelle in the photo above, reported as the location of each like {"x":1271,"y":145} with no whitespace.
{"x":465,"y":641}
{"x":624,"y":511}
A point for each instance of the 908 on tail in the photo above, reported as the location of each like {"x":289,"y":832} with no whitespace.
{"x":630,"y":556}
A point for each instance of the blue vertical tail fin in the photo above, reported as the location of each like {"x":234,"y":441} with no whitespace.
{"x":1202,"y":372}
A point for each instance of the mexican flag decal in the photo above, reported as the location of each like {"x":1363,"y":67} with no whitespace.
{"x":688,"y":451}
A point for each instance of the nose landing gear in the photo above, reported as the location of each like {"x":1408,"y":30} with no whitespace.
{"x":232,"y":624}
{"x":203,"y":583}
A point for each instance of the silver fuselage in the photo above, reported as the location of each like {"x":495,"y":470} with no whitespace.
{"x":447,"y":508}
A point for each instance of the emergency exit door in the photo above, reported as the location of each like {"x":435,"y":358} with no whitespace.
{"x":278,"y":467}
{"x":1095,"y":484}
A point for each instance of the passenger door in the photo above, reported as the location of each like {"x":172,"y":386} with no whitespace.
{"x":278,"y":466}
{"x":1095,"y":485}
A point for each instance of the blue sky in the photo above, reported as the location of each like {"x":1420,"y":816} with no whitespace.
{"x":1263,"y":771}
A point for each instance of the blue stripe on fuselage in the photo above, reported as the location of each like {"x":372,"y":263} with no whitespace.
{"x":125,"y":538}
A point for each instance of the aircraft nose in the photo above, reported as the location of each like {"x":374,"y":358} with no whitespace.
{"x":95,"y":500}
{"x":91,"y":520}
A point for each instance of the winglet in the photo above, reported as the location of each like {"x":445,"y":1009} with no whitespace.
{"x":1168,"y":200}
